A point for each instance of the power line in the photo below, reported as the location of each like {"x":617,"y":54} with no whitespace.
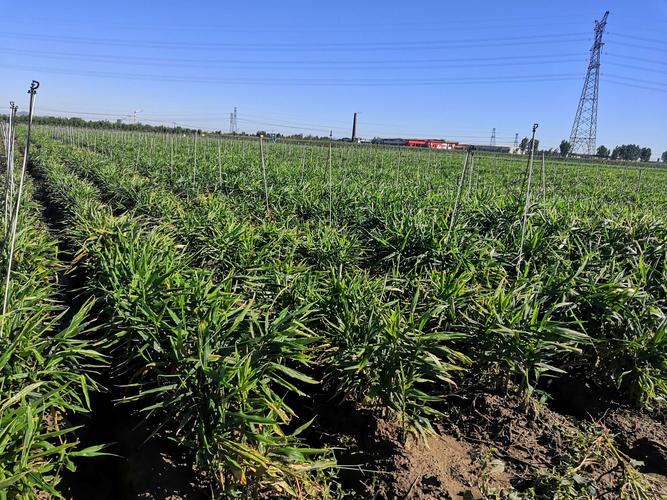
{"x":323,"y":129}
{"x":642,"y":59}
{"x":276,"y":123}
{"x":312,"y":46}
{"x":634,"y":58}
{"x":638,"y":46}
{"x":308,"y":82}
{"x":82,"y":112}
{"x":632,"y":85}
{"x":362,"y":65}
{"x":183,"y":125}
{"x":453,"y":23}
{"x":640,"y":38}
{"x":640,"y":68}
{"x":364,"y":62}
{"x":188,"y":116}
{"x":640,"y":80}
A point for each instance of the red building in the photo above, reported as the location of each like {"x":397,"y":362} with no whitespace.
{"x":431,"y":144}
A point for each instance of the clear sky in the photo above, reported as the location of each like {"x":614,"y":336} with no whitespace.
{"x":423,"y":69}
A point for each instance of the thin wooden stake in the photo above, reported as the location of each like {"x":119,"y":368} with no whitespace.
{"x":330,"y":183}
{"x":458,"y":195}
{"x":266,"y":183}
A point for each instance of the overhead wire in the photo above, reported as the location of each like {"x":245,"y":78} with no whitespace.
{"x":638,"y":46}
{"x":302,"y":27}
{"x":639,"y":68}
{"x":635,"y":58}
{"x":311,"y":46}
{"x":635,"y":37}
{"x":307,"y":82}
{"x":322,"y":64}
{"x":639,"y":80}
{"x":632,"y":85}
{"x":305,"y":126}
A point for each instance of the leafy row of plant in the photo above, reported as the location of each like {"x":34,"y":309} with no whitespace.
{"x":403,"y":348}
{"x":48,"y":360}
{"x":519,"y":324}
{"x":212,"y":369}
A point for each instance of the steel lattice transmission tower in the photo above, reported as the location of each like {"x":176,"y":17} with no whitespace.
{"x":584,"y":128}
{"x":233,"y":125}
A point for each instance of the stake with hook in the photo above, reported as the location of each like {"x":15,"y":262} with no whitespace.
{"x":32,"y":91}
{"x":529,"y":175}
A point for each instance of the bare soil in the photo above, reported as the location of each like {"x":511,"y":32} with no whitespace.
{"x":492,"y":445}
{"x":440,"y":466}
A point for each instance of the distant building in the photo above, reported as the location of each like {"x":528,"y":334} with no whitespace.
{"x":430,"y":144}
{"x":492,"y":149}
{"x":389,"y":142}
{"x":441,"y":144}
{"x":416,"y":143}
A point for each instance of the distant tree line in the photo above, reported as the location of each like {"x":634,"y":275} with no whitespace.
{"x":306,"y":137}
{"x":143,"y":127}
{"x":102,"y":124}
{"x":627,"y":152}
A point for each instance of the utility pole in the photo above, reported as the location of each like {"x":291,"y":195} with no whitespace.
{"x":516,"y":140}
{"x":584,"y":128}
{"x":233,"y":127}
{"x":134,"y":115}
{"x":354,"y":128}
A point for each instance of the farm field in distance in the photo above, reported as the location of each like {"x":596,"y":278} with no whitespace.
{"x":207,"y":316}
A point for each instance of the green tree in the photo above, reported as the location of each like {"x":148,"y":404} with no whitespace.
{"x":565,"y":148}
{"x":628,"y":152}
{"x":603,"y":152}
{"x":524,"y":144}
{"x":616,"y":153}
{"x":645,"y":154}
{"x":664,"y":157}
{"x":530,"y":145}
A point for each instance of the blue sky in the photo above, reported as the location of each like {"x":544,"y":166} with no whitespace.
{"x":423,"y":69}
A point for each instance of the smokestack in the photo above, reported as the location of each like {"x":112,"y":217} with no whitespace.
{"x":354,"y":128}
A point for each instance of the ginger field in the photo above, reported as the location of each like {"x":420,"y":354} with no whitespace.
{"x":332,"y":321}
